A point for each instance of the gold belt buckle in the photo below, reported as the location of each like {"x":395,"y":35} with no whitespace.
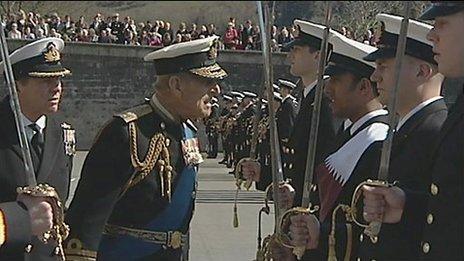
{"x":175,"y":239}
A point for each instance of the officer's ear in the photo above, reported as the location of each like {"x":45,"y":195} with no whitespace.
{"x":174,"y":83}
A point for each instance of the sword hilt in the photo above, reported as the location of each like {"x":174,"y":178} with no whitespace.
{"x":284,"y":236}
{"x":372,"y":229}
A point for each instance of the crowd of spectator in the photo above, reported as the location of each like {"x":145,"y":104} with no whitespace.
{"x":244,"y":36}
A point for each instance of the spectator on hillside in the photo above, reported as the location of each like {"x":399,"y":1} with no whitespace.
{"x":274,"y":34}
{"x":54,"y":33}
{"x":104,"y":37}
{"x":147,"y":26}
{"x":211,"y":30}
{"x":178,"y":39}
{"x":284,"y":37}
{"x":194,"y":32}
{"x":203,"y":31}
{"x":186,"y":37}
{"x":168,"y":29}
{"x":166,"y":39}
{"x":39,"y":33}
{"x":117,"y":29}
{"x":249,"y":44}
{"x":81,"y":23}
{"x":82,"y":35}
{"x":247,"y":31}
{"x":257,"y":38}
{"x":156,"y":39}
{"x":31,"y":21}
{"x":231,"y":39}
{"x":14,"y":33}
{"x":42,"y":25}
{"x":21,"y":21}
{"x":162,"y":28}
{"x":97,"y":24}
{"x":28,"y":35}
{"x":93,"y":37}
{"x":182,"y":29}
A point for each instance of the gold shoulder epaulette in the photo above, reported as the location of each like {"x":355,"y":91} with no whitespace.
{"x":134,"y":113}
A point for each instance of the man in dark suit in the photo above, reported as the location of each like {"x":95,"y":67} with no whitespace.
{"x":38,"y":71}
{"x":353,"y":96}
{"x":135,"y":198}
{"x":422,"y":112}
{"x":441,"y":207}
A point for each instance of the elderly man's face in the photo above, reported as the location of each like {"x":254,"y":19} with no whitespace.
{"x":196,"y":94}
{"x":40,"y":96}
{"x":447,"y":36}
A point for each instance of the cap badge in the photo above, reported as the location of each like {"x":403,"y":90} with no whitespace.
{"x":51,"y":54}
{"x":212,"y":54}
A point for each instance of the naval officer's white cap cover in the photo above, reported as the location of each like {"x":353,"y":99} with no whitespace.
{"x":347,"y":56}
{"x":417,"y":44}
{"x":286,"y":84}
{"x":40,"y":58}
{"x":197,"y":57}
{"x":309,"y":34}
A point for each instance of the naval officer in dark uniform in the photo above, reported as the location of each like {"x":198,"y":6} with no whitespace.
{"x":353,"y":96}
{"x":135,"y":198}
{"x":422,"y":112}
{"x":441,"y":209}
{"x":287,"y":111}
{"x":38,"y":72}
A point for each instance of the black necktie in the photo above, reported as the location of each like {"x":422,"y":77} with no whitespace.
{"x":37,"y":143}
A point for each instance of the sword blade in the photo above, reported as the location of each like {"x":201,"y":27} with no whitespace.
{"x":276,"y":164}
{"x":14,"y":102}
{"x":392,"y":118}
{"x":312,"y":142}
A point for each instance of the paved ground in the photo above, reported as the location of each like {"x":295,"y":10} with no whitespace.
{"x":212,"y":235}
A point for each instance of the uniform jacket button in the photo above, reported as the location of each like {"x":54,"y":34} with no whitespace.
{"x":426,"y":247}
{"x":434,"y":189}
{"x":429,"y":219}
{"x":361,"y":237}
{"x":28,"y":248}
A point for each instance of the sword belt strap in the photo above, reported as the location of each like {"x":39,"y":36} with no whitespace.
{"x":171,"y":239}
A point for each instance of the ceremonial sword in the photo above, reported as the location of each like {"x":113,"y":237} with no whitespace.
{"x":59,"y":230}
{"x":306,"y":206}
{"x":373,"y":229}
{"x":265,"y":23}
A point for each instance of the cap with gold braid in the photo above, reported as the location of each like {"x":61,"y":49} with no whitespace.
{"x":197,"y":57}
{"x":40,"y":58}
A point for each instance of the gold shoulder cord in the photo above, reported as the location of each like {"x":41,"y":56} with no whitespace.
{"x":157,"y":155}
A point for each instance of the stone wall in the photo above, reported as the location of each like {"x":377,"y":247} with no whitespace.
{"x":109,"y":78}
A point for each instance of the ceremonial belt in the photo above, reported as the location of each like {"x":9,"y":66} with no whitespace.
{"x":171,"y":239}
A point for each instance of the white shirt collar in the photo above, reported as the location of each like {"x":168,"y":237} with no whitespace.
{"x":156,"y":104}
{"x":41,"y":123}
{"x":365,"y":118}
{"x":416,"y":110}
{"x":308,"y":88}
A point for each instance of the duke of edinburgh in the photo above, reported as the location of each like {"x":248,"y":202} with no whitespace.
{"x":135,"y":198}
